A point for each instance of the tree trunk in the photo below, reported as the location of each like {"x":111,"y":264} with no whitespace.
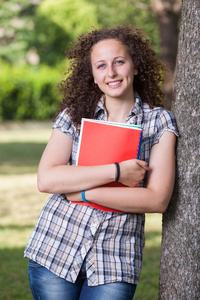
{"x":168,"y":13}
{"x":180,"y":257}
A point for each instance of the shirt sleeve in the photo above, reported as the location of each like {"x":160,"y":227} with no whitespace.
{"x":165,"y":121}
{"x":63,"y":123}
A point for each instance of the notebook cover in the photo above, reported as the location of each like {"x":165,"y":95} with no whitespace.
{"x":104,"y":143}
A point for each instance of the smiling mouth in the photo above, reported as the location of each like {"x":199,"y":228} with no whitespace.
{"x":114,"y":83}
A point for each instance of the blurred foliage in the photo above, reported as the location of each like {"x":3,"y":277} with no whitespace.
{"x":28,"y":92}
{"x":138,"y":13}
{"x":34,"y":35}
{"x":45,"y":27}
{"x":16,"y":27}
{"x":60,"y":24}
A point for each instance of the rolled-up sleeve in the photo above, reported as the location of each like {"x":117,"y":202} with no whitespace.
{"x":63,"y":123}
{"x":165,"y":121}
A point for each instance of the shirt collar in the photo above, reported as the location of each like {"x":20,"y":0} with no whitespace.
{"x":136,"y":110}
{"x":100,"y":107}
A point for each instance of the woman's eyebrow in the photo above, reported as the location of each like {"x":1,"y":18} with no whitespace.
{"x":100,"y":61}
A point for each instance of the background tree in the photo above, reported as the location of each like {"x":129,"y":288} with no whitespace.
{"x":168,"y":14}
{"x":59,"y":23}
{"x":179,"y":270}
{"x":16,"y":27}
{"x":36,"y":32}
{"x":115,"y":12}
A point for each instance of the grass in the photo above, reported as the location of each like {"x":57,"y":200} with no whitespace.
{"x":21,"y":146}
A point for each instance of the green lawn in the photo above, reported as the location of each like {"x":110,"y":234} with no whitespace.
{"x":21,"y":146}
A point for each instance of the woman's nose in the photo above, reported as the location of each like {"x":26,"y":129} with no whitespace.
{"x":112,"y":71}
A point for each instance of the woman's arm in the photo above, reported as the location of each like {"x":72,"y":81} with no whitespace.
{"x":155,"y":197}
{"x":55,"y":176}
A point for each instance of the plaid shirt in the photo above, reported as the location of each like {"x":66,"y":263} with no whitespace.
{"x":111,"y":243}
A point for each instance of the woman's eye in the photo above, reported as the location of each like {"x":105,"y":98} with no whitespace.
{"x":119,"y":62}
{"x":101,"y":66}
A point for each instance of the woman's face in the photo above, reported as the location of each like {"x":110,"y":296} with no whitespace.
{"x":113,"y":69}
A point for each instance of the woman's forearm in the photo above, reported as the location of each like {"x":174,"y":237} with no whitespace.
{"x":133,"y":200}
{"x":56,"y":176}
{"x":69,"y":179}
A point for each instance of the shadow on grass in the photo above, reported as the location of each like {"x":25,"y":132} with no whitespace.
{"x":14,"y":275}
{"x":20,"y":157}
{"x":148,"y":286}
{"x":16,"y":227}
{"x":152,"y":236}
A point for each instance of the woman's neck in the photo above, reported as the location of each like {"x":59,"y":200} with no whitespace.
{"x":118,"y":109}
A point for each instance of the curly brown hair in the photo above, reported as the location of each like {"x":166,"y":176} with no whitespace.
{"x":81,"y":94}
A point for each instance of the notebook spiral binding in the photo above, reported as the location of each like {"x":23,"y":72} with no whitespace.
{"x":138,"y":149}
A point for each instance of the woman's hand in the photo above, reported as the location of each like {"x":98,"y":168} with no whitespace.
{"x":74,"y":196}
{"x":132,"y":172}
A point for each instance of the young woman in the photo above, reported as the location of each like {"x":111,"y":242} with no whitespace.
{"x":76,"y":251}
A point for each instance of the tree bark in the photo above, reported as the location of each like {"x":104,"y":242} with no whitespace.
{"x":168,"y":14}
{"x":180,"y":257}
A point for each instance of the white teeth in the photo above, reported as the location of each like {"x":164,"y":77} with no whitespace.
{"x":114,"y":83}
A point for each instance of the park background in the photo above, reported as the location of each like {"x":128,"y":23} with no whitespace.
{"x":33,"y":38}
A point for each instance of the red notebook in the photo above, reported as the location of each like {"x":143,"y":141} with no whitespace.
{"x":104,"y":143}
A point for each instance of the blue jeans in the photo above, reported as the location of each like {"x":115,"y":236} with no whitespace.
{"x":47,"y":286}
